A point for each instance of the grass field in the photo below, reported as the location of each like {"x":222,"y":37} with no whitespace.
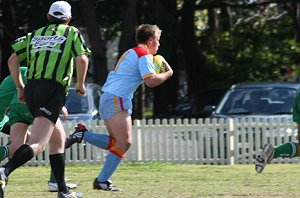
{"x":153,"y":180}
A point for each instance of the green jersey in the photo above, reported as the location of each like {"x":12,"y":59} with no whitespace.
{"x":7,"y":92}
{"x":49,"y":52}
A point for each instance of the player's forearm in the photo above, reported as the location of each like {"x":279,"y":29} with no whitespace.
{"x":158,"y":79}
{"x":82,"y":62}
{"x":14,"y":68}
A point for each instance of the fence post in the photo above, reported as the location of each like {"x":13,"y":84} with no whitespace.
{"x":231,"y":141}
{"x":139,"y":139}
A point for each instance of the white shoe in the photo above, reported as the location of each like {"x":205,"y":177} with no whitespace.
{"x":266,"y":157}
{"x":70,"y":195}
{"x":52,"y":187}
{"x":3,"y":178}
{"x":3,"y":181}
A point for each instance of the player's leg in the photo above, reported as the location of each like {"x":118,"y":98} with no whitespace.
{"x":4,"y":126}
{"x":116,"y":112}
{"x":8,"y":150}
{"x":4,"y":152}
{"x":57,"y":159}
{"x":119,"y":127}
{"x":121,"y":130}
{"x":18,"y":136}
{"x":265,"y":158}
{"x":290,"y":149}
{"x":55,"y":140}
{"x":76,"y":136}
{"x":107,"y":110}
{"x":6,"y":129}
{"x":41,"y":131}
{"x":269,"y":153}
{"x":56,"y":154}
{"x":45,"y":117}
{"x":102,"y":141}
{"x":52,"y":185}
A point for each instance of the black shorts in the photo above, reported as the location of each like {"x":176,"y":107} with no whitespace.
{"x":45,"y":98}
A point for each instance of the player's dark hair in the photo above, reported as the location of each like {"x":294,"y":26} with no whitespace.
{"x":145,"y":31}
{"x":53,"y":19}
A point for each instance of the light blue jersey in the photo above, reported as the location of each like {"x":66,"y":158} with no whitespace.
{"x":134,"y":66}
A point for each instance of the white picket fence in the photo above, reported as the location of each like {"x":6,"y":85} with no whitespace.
{"x":209,"y":141}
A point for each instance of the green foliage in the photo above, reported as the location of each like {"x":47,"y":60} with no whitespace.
{"x":256,"y":48}
{"x":109,"y":17}
{"x":259,"y":43}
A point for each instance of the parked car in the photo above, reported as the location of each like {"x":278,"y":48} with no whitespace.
{"x":83,"y":107}
{"x":252,"y":105}
{"x":273,"y":99}
{"x":192,"y":106}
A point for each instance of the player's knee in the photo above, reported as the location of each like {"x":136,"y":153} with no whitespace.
{"x":124,"y":145}
{"x":118,"y":152}
{"x":37,"y":148}
{"x":40,"y":150}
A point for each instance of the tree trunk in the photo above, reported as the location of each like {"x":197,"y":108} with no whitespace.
{"x":194,"y":58}
{"x":212,"y":20}
{"x":294,"y":10}
{"x":166,"y":95}
{"x":99,"y":60}
{"x":225,"y":21}
{"x":129,"y":24}
{"x":127,"y":41}
{"x":9,"y":34}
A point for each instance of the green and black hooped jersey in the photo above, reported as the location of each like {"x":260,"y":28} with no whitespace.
{"x":49,"y":52}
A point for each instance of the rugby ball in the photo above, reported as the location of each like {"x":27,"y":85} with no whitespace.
{"x":160,"y":66}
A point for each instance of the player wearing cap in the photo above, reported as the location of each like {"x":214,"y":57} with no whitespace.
{"x":49,"y":52}
{"x":16,"y":122}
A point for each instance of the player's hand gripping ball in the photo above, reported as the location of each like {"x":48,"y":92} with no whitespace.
{"x":159,"y":63}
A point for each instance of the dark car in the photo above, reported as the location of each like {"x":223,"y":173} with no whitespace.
{"x":247,"y":107}
{"x":272,"y":99}
{"x":192,"y":106}
{"x":83,"y":107}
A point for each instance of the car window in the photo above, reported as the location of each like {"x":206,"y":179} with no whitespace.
{"x":266,"y":101}
{"x":75,"y":103}
{"x":207,"y":97}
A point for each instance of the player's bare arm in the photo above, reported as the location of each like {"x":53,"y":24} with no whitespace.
{"x":160,"y":78}
{"x":14,"y":68}
{"x":81,"y":68}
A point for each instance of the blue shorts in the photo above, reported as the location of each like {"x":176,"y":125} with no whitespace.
{"x":110,"y":104}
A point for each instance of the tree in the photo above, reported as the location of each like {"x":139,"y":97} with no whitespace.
{"x":97,"y":44}
{"x":195,"y":61}
{"x":164,"y":14}
{"x":257,"y":45}
{"x":227,"y":40}
{"x":127,"y":40}
{"x":9,"y":33}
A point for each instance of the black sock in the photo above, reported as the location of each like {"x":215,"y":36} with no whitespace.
{"x":57,"y":162}
{"x":21,"y":156}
